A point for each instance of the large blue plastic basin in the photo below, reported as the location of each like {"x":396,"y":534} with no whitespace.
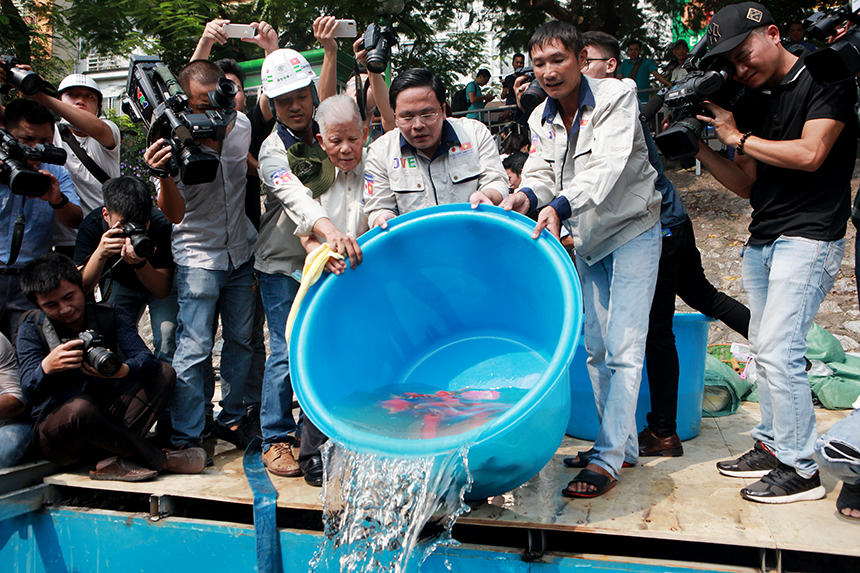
{"x":691,"y":339}
{"x":450,"y":298}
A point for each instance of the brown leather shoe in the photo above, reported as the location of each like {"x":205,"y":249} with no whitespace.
{"x":651,"y":445}
{"x":279,"y":460}
{"x":187,"y":461}
{"x":118,"y":469}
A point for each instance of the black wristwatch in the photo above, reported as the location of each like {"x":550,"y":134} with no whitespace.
{"x":63,"y":202}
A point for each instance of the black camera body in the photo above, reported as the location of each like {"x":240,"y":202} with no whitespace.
{"x":97,"y":356}
{"x":153,"y":97}
{"x":840,"y":61}
{"x":25,"y":81}
{"x":378,"y":41}
{"x":143,"y":245}
{"x":534,"y":94}
{"x":14,"y":172}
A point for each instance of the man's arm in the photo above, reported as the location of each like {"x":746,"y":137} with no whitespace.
{"x":11,"y":397}
{"x":804,"y":154}
{"x":661,"y":78}
{"x":81,"y":120}
{"x":212,"y":33}
{"x":170,"y":200}
{"x":266,"y":38}
{"x":738,"y":176}
{"x":324,"y":27}
{"x":69,"y":214}
{"x":379,"y":87}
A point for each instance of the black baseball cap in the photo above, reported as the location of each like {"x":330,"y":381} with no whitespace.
{"x":733,"y":24}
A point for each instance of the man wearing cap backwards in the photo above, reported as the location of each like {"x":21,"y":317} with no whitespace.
{"x":429,"y":160}
{"x":213,"y":242}
{"x":795,"y":145}
{"x":589,"y":162}
{"x":297,"y":175}
{"x":80,"y":105}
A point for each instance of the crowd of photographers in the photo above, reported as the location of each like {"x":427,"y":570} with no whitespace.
{"x":86,"y":386}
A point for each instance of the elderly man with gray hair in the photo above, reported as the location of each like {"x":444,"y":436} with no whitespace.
{"x":313,"y":195}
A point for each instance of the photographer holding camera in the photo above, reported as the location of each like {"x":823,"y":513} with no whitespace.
{"x":212,"y":243}
{"x":92,"y":145}
{"x":31,"y":124}
{"x":95,"y":386}
{"x":124,"y":248}
{"x":795,"y":143}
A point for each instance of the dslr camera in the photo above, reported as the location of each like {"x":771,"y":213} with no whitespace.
{"x":681,"y":139}
{"x":14,"y":172}
{"x":839,"y":61}
{"x":25,"y":81}
{"x":143,"y":245}
{"x":534,"y":94}
{"x":378,"y":41}
{"x":97,"y":356}
{"x":154,"y":97}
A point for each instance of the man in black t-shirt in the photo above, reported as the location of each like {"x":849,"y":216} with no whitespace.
{"x":794,"y":159}
{"x":109,"y":260}
{"x":519,"y":61}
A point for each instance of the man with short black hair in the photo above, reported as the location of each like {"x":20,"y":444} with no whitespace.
{"x":589,"y":162}
{"x":95,"y":398}
{"x":640,"y":69}
{"x":132,"y":281}
{"x":213,"y":242}
{"x":474,"y":96}
{"x":795,"y":144}
{"x":429,"y":160}
{"x":31,"y":124}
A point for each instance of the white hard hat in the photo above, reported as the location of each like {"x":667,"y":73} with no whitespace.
{"x":285,"y":71}
{"x":79,"y":80}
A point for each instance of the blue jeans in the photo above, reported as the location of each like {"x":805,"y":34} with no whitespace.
{"x":846,"y":432}
{"x":785,"y":282}
{"x":276,"y":416}
{"x":14,"y":439}
{"x":254,"y":383}
{"x":617,"y":292}
{"x":200,"y":292}
{"x":162,"y":315}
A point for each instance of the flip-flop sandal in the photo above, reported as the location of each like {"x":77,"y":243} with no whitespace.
{"x":600,"y":481}
{"x":582,"y":459}
{"x":849,"y":498}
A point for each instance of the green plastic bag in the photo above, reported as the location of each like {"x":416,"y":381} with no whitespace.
{"x":724,"y":389}
{"x":840,"y":390}
{"x":824,"y":346}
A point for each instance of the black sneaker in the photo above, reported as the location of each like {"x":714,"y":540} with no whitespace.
{"x":784,"y":485}
{"x":755,"y":463}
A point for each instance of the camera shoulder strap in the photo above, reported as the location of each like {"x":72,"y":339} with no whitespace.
{"x":632,"y":74}
{"x":70,"y":140}
{"x":17,"y":236}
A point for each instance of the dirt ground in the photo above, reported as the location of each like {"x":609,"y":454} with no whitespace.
{"x":721,"y":220}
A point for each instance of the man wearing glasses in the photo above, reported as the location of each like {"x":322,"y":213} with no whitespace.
{"x":429,"y":160}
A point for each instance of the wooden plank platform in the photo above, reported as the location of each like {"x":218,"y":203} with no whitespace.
{"x":677,"y":499}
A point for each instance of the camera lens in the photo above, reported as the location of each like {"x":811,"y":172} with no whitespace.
{"x":106,"y":362}
{"x":28,"y":83}
{"x":143,"y":246}
{"x":532,"y":97}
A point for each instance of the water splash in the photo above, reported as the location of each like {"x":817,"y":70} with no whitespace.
{"x":386,"y":514}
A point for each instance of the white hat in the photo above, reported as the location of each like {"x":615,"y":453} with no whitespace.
{"x":79,"y":80}
{"x":285,"y":71}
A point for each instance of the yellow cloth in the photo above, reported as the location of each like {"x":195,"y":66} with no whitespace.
{"x":312,"y":271}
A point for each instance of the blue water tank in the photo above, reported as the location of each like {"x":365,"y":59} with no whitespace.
{"x":447,"y":298}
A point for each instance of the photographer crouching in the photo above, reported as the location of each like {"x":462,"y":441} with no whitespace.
{"x":795,"y":144}
{"x":124,"y":248}
{"x":95,"y":386}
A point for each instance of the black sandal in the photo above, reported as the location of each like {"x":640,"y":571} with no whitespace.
{"x":599,"y":481}
{"x":582,"y":459}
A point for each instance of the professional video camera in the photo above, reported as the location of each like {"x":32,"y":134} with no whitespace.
{"x":681,"y":139}
{"x":14,"y":172}
{"x":841,"y":60}
{"x":378,"y":41}
{"x":153,"y":96}
{"x":25,"y":81}
{"x":534,"y":94}
{"x":143,"y":245}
